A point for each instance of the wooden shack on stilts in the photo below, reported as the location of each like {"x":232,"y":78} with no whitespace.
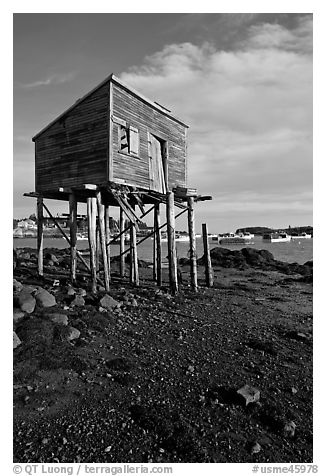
{"x":116,"y":148}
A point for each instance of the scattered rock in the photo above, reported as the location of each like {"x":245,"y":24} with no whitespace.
{"x":17,"y":341}
{"x":289,"y":429}
{"x":18,"y":315}
{"x":81,"y":292}
{"x":250,"y":394}
{"x":78,"y":301}
{"x":72,"y":333}
{"x":108,"y":302}
{"x":71,"y":291}
{"x":44,"y":298}
{"x":299,"y":336}
{"x":48,"y":262}
{"x":26,"y":302}
{"x":15,"y":259}
{"x":58,"y":318}
{"x":256,"y":448}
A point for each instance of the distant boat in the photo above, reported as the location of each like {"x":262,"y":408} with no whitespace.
{"x":232,"y":239}
{"x":181,"y":237}
{"x":279,"y":237}
{"x":82,"y":236}
{"x":297,"y":236}
{"x":178,"y":237}
{"x":247,"y":235}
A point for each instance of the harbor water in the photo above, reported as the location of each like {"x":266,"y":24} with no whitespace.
{"x":296,"y":251}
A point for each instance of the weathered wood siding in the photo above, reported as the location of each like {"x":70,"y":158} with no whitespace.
{"x":145,"y":118}
{"x":74,"y":150}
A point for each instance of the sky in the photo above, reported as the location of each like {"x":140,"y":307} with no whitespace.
{"x":242,"y":81}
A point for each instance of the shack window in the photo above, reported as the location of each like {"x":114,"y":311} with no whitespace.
{"x":129,"y":140}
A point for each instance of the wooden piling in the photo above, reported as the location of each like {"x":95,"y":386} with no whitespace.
{"x":158,"y":247}
{"x":108,"y":238}
{"x":192,"y":244}
{"x":73,"y":236}
{"x":98,"y":247}
{"x":91,"y":218}
{"x":134,"y":273}
{"x":171,"y":242}
{"x":40,"y":235}
{"x":122,"y":244}
{"x":207,"y":258}
{"x":154,"y":254}
{"x":101,"y":226}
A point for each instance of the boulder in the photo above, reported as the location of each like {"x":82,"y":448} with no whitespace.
{"x":24,"y":255}
{"x":44,"y":298}
{"x":107,"y":302}
{"x":26,"y":302}
{"x":78,"y":301}
{"x":17,"y":341}
{"x":51,"y":257}
{"x":71,"y":291}
{"x":17,"y":286}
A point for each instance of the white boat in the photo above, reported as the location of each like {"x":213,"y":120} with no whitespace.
{"x":247,"y":235}
{"x":178,"y":237}
{"x":181,"y":237}
{"x":232,"y":239}
{"x":81,"y":236}
{"x":278,"y":237}
{"x":302,"y":236}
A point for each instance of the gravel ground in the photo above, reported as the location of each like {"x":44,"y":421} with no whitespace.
{"x":157,"y":378}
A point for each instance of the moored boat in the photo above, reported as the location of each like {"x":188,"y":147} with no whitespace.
{"x":232,"y":239}
{"x":302,"y":236}
{"x":278,"y":237}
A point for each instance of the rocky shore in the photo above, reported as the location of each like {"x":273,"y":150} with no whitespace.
{"x":138,"y":375}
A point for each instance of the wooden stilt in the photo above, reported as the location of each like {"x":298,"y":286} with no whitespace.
{"x":157,"y":224}
{"x":40,"y":235}
{"x":134,"y":274}
{"x":108,"y":238}
{"x":131,"y":261}
{"x":171,"y":242}
{"x":122,"y":244}
{"x":73,"y":236}
{"x":207,"y":257}
{"x":101,"y":227}
{"x":98,"y":247}
{"x":154,"y":249}
{"x":192,"y":244}
{"x":91,"y":216}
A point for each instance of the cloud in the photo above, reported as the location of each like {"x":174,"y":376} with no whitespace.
{"x":266,"y":35}
{"x":54,"y":79}
{"x":249,"y":111}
